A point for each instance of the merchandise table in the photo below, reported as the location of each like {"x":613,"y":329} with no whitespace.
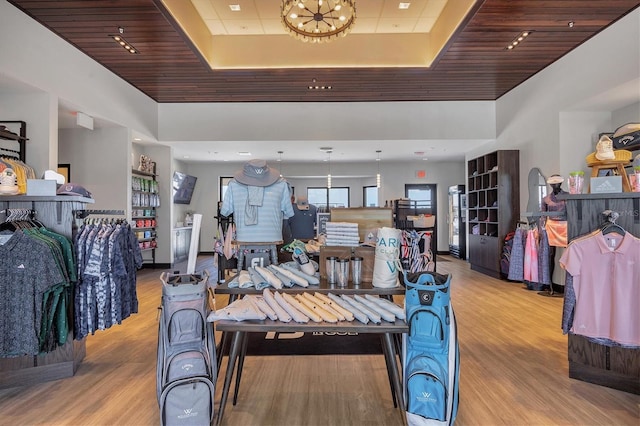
{"x":239,"y":330}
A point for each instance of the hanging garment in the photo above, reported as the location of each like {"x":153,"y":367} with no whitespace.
{"x":531,"y":257}
{"x":557,"y":231}
{"x":605,"y":271}
{"x":544,"y":270}
{"x":108,"y":257}
{"x":516,"y":263}
{"x":32,"y":282}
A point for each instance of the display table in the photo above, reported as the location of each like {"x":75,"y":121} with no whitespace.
{"x":239,"y":330}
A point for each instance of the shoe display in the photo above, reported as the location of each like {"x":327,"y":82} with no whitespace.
{"x":8,"y":182}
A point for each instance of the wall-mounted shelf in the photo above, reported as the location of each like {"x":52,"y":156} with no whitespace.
{"x":145,"y":199}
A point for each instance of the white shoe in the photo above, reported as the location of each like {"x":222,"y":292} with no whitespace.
{"x":8,"y":182}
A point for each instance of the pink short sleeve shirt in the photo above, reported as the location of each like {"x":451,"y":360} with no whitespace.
{"x":606,"y":280}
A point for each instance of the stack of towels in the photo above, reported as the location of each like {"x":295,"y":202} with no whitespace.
{"x":342,"y":234}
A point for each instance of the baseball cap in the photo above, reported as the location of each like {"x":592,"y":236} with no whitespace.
{"x":73,"y":189}
{"x":302,"y":202}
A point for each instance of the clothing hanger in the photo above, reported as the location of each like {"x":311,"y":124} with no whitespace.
{"x":610,"y":225}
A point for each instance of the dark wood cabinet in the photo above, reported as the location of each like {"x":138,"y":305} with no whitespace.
{"x":493,"y":203}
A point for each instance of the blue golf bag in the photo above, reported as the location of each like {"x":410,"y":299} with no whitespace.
{"x":431,"y":355}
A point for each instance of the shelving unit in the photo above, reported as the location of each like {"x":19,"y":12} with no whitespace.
{"x":145,"y":199}
{"x":7,"y":133}
{"x":493,"y":200}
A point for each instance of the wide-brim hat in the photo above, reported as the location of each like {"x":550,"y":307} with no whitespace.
{"x":555,"y":179}
{"x":257,"y":173}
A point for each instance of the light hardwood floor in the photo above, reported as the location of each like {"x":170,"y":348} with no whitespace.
{"x":513,"y":372}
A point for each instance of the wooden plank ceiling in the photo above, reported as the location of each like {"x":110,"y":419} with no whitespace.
{"x":473,"y":66}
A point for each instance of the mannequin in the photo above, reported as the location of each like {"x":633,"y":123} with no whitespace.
{"x":556,"y":222}
{"x":303,"y":221}
{"x":260,"y":200}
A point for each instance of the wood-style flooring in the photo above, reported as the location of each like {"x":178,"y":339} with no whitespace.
{"x":514,"y":371}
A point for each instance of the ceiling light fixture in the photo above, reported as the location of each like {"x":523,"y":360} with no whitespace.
{"x":516,"y":41}
{"x":234,"y":7}
{"x":329,"y":174}
{"x":378,"y":175}
{"x":318,"y":21}
{"x":245,"y":153}
{"x":315,"y":86}
{"x":281,"y":166}
{"x":118,"y":38}
{"x":403,"y":5}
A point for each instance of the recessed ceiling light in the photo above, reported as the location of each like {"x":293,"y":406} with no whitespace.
{"x":185,"y":156}
{"x":403,"y":5}
{"x":137,"y":139}
{"x":244,"y":153}
{"x":234,"y":7}
{"x":520,"y":38}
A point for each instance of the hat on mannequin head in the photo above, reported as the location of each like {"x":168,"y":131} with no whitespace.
{"x":257,"y":173}
{"x":555,"y":180}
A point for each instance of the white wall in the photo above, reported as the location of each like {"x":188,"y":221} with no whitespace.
{"x":34,"y":55}
{"x":394,"y":177}
{"x":554,"y":116}
{"x":98,"y":162}
{"x":34,"y":108}
{"x":349,"y":121}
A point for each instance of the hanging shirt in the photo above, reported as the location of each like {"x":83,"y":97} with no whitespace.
{"x":27,"y":271}
{"x":606,"y":282}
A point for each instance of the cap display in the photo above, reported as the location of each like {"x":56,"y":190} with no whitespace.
{"x":73,"y":189}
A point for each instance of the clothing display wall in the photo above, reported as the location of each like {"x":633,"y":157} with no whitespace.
{"x":610,"y":365}
{"x":56,"y":213}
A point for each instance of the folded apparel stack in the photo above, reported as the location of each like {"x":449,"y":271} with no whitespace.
{"x":342,"y":234}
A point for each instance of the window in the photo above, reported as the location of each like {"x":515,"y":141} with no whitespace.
{"x":425,"y":193}
{"x":370,"y":196}
{"x":325,"y":198}
{"x":224,"y":184}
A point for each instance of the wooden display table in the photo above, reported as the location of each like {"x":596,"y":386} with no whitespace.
{"x":239,"y":330}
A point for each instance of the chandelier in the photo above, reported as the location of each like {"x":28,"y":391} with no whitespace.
{"x":318,"y":21}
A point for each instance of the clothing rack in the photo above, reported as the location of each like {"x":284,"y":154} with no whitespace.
{"x":19,"y":214}
{"x":81,"y":214}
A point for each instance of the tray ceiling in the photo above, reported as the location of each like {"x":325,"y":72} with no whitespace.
{"x":474,"y":63}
